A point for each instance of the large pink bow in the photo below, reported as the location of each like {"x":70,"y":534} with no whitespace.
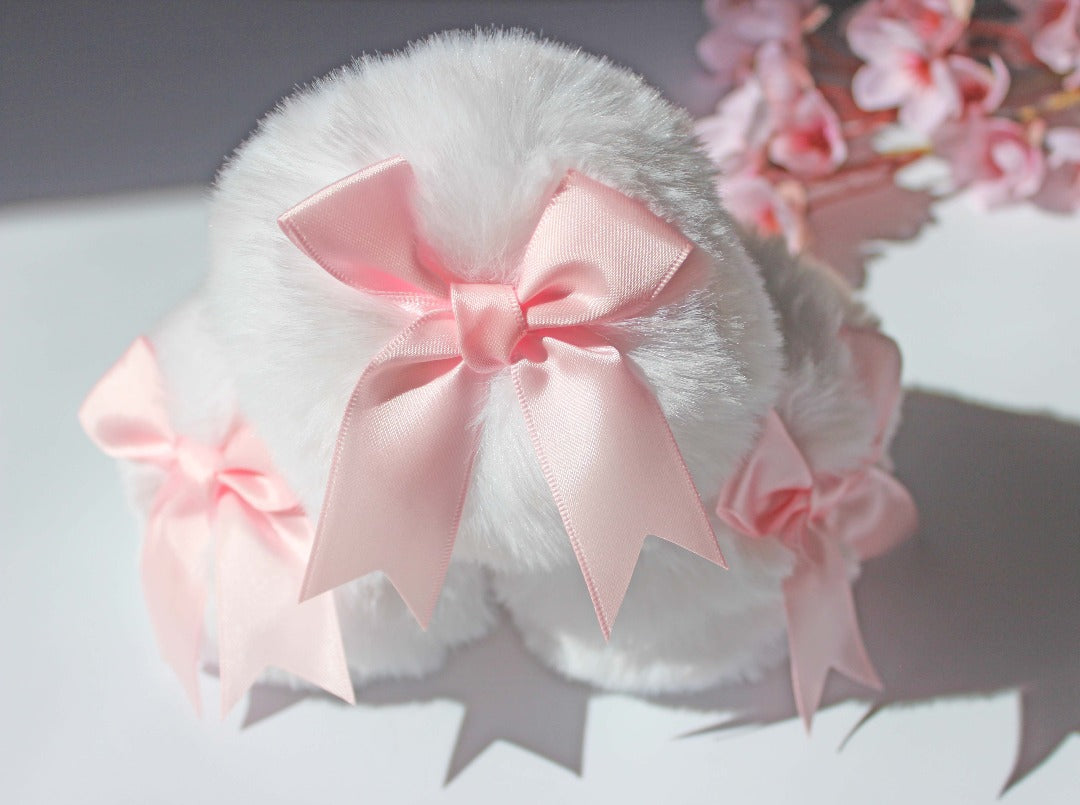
{"x":409,"y":434}
{"x":262,"y":542}
{"x":776,"y":493}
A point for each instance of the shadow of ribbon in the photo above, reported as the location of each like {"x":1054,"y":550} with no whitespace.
{"x":985,"y":598}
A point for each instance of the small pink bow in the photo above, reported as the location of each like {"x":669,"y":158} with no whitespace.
{"x":262,"y":542}
{"x":409,"y":434}
{"x":776,"y":493}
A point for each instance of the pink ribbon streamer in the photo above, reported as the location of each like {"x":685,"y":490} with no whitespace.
{"x":407,"y":442}
{"x":262,"y":543}
{"x":776,"y":493}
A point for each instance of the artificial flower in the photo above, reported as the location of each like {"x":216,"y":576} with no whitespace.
{"x":1053,"y":27}
{"x":771,"y":210}
{"x":740,"y":27}
{"x":808,"y":141}
{"x":982,"y":88}
{"x":901,"y":72}
{"x":775,"y":114}
{"x":996,"y":159}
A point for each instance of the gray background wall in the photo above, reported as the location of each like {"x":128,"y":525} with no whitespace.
{"x":98,"y":97}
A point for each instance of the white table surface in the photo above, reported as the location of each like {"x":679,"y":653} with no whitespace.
{"x":985,"y":309}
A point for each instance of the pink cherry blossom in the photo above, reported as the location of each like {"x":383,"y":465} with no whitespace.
{"x":982,"y":89}
{"x":901,"y":72}
{"x":740,"y":27}
{"x":805,"y":135}
{"x":777,"y":114}
{"x":781,"y":75}
{"x":1061,"y":191}
{"x":771,"y":210}
{"x":997,"y":159}
{"x":938,"y":23}
{"x":735,"y":137}
{"x":809,"y":141}
{"x":1054,"y":29}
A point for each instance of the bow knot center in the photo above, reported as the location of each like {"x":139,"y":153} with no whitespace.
{"x":197,"y":461}
{"x":793,"y":513}
{"x":490,"y":323}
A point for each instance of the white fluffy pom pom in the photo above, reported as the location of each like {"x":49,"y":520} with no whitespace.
{"x":490,"y":123}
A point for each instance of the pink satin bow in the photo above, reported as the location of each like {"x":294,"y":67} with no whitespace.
{"x":776,"y":493}
{"x":409,"y":434}
{"x":262,"y":541}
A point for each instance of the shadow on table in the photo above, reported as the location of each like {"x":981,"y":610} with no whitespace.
{"x":985,"y":598}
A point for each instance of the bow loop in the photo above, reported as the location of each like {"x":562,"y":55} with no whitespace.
{"x":877,"y":363}
{"x":875,"y":513}
{"x":125,"y":413}
{"x":361,"y":230}
{"x":594,"y":258}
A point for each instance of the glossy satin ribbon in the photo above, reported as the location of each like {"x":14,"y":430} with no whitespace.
{"x":776,"y":493}
{"x":227,"y":495}
{"x":409,"y":435}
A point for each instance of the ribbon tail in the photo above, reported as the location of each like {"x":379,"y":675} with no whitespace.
{"x":611,"y":463}
{"x":401,"y":469}
{"x":260,"y":623}
{"x":173,"y":573}
{"x":823,"y":631}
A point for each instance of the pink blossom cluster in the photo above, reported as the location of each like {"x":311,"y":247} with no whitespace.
{"x":804,"y":100}
{"x":774,"y":128}
{"x":1053,"y":28}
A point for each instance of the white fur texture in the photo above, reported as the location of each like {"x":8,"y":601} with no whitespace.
{"x":491,"y":122}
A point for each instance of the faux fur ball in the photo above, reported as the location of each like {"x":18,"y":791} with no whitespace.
{"x":490,"y":123}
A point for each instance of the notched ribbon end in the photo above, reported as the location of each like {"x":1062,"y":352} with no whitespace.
{"x":285,"y":224}
{"x":706,"y":545}
{"x":324,"y":571}
{"x":347,"y":694}
{"x":605,"y":628}
{"x":422,"y":615}
{"x":191,"y":689}
{"x":600,"y":608}
{"x":715,"y":555}
{"x":312,"y":587}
